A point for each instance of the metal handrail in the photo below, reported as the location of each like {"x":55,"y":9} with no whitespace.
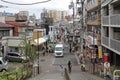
{"x":114,"y":74}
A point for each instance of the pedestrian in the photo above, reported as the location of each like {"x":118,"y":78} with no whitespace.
{"x":106,"y":68}
{"x":69,"y":66}
{"x":83,"y":67}
{"x":61,"y":70}
{"x":43,"y":48}
{"x":70,"y":49}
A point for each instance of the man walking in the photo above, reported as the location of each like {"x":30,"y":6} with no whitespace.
{"x":69,"y":66}
{"x":70,"y":48}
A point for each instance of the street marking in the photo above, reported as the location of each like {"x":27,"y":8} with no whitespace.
{"x":53,"y":62}
{"x":48,"y":71}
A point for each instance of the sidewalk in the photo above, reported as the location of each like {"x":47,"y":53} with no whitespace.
{"x":89,"y":67}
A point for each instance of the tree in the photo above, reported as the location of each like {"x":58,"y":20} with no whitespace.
{"x":25,"y":48}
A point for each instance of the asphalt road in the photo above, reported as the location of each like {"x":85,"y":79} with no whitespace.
{"x":67,"y":56}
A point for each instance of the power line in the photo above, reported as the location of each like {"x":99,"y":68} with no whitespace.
{"x":25,"y":4}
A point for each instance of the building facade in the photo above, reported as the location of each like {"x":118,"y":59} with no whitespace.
{"x":57,"y":15}
{"x":93,"y":27}
{"x":24,"y":13}
{"x":110,"y":28}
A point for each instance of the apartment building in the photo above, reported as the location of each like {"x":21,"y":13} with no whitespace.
{"x":93,"y":24}
{"x":24,"y":13}
{"x":57,"y":15}
{"x":110,"y":29}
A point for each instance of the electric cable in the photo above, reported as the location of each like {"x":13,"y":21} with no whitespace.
{"x":25,"y":4}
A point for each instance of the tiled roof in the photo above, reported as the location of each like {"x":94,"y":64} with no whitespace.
{"x":5,"y":25}
{"x":12,"y":23}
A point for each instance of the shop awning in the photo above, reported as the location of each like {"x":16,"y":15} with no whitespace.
{"x":40,"y":40}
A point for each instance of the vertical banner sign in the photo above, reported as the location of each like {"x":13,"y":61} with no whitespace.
{"x":100,"y":52}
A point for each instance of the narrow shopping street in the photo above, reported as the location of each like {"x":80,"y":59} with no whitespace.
{"x":50,"y":68}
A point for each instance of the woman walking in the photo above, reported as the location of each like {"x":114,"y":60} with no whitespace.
{"x":61,"y":70}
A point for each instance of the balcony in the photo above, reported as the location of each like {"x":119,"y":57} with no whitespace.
{"x":93,"y":4}
{"x":105,"y":40}
{"x":105,"y":2}
{"x":105,"y":20}
{"x":94,"y":22}
{"x":115,"y":19}
{"x":115,"y":44}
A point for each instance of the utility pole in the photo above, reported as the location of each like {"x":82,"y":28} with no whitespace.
{"x":73,"y":14}
{"x":82,"y":24}
{"x":71,"y":6}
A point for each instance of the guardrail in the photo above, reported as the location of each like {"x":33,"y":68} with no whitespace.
{"x":115,"y":75}
{"x":66,"y":76}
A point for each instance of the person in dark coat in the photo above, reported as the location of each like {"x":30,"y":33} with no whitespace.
{"x":69,"y":66}
{"x":70,"y":48}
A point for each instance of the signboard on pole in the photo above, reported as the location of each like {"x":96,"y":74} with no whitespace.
{"x":100,"y":52}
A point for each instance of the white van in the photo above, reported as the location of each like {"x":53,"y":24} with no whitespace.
{"x":3,"y":64}
{"x":59,"y":50}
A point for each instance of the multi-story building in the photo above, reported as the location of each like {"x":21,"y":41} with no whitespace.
{"x":24,"y":13}
{"x":32,"y":18}
{"x":93,"y":23}
{"x":57,"y":15}
{"x":110,"y":29}
{"x":5,"y":30}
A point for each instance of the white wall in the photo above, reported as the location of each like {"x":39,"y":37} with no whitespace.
{"x":2,"y":19}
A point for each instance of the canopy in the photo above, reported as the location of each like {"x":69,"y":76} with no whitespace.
{"x":40,"y":40}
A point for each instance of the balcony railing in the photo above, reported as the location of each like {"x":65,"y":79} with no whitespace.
{"x":105,"y":2}
{"x":105,"y":20}
{"x":92,"y":4}
{"x":115,"y":44}
{"x":115,"y":19}
{"x":105,"y":40}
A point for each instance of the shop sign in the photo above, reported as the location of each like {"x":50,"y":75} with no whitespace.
{"x":100,"y":52}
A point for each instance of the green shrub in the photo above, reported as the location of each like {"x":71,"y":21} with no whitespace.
{"x":112,"y":68}
{"x":25,"y":72}
{"x":11,"y":76}
{"x":3,"y":78}
{"x":15,"y":74}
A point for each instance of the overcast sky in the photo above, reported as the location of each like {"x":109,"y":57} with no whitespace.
{"x":37,"y":8}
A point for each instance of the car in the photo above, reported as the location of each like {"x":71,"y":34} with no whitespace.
{"x":15,"y":57}
{"x":3,"y":64}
